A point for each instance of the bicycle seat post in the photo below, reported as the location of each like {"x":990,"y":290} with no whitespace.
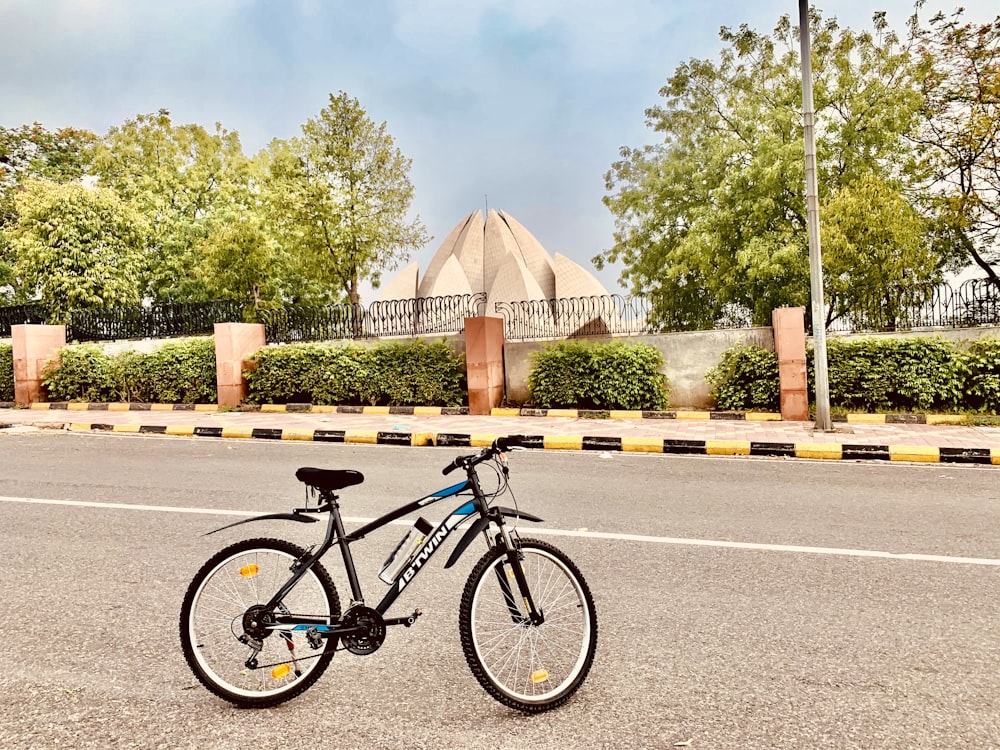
{"x":336,"y":527}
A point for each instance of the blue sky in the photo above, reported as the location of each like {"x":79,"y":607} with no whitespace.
{"x":521,"y":103}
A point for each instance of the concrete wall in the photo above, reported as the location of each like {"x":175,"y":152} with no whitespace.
{"x":687,"y":356}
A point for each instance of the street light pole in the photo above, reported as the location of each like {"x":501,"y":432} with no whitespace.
{"x":823,"y":421}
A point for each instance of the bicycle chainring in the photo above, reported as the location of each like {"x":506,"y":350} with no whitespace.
{"x":371,"y":639}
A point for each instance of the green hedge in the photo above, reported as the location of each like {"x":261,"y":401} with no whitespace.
{"x":874,"y":375}
{"x":982,"y":390}
{"x":6,"y":372}
{"x":895,"y":374}
{"x":402,"y":374}
{"x":590,"y":375}
{"x":181,"y":372}
{"x":746,"y":378}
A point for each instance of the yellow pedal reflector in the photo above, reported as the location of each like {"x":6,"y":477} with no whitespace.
{"x":249,"y":571}
{"x":280,"y":671}
{"x":539,"y":675}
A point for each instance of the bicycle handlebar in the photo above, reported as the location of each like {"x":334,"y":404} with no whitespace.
{"x":500,"y":445}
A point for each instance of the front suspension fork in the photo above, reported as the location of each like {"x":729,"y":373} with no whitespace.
{"x":514,"y":558}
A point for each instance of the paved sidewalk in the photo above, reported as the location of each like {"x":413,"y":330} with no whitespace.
{"x":692,"y":433}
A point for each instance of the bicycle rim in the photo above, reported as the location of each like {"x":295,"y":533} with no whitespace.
{"x":224,"y":590}
{"x":532,"y":668}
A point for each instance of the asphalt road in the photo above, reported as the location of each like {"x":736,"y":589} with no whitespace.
{"x":743,"y":603}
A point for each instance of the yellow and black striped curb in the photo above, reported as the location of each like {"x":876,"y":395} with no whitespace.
{"x":837,"y":452}
{"x":433,"y":411}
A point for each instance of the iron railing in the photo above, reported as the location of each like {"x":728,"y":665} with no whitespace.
{"x":153,"y":322}
{"x":572,"y":317}
{"x":975,"y":302}
{"x":16,"y":315}
{"x":391,"y":318}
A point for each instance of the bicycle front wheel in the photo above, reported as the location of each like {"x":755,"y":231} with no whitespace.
{"x":532,"y":668}
{"x":219,"y":639}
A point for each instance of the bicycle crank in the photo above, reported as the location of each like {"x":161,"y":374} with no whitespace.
{"x":366,"y":630}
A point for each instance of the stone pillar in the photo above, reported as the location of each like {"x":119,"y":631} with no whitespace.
{"x":790,"y":346}
{"x":234,"y":342}
{"x":484,"y":363}
{"x":33,"y":345}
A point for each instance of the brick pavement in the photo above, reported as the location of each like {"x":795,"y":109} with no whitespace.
{"x":861,"y":437}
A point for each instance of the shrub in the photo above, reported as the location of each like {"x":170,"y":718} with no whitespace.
{"x":410,"y":373}
{"x":341,"y":375}
{"x":6,"y":372}
{"x":179,"y":372}
{"x":176,"y":372}
{"x":80,"y":373}
{"x":414,"y":373}
{"x":284,"y":374}
{"x":982,"y":390}
{"x":746,"y":378}
{"x":896,"y":374}
{"x":598,"y":376}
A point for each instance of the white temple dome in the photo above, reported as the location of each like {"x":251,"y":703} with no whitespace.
{"x":498,"y":257}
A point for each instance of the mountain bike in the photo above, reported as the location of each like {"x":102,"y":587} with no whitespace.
{"x":262,"y":619}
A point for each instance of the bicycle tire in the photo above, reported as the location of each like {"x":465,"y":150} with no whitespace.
{"x":526,"y":667}
{"x":238,"y":577}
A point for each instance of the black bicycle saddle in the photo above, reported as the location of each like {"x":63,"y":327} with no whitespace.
{"x":329,"y":479}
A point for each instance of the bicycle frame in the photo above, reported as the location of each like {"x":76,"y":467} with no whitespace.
{"x":336,"y":535}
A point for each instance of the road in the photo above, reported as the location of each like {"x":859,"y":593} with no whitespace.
{"x":743,"y":603}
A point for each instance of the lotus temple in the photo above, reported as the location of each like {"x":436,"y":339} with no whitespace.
{"x":497,"y":257}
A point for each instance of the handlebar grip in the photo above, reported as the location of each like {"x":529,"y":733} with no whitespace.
{"x":451,"y":467}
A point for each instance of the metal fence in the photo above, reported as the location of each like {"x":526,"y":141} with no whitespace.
{"x":571,"y":317}
{"x":396,"y":318}
{"x":408,"y":317}
{"x":16,"y":315}
{"x":154,"y":322}
{"x":973,"y":303}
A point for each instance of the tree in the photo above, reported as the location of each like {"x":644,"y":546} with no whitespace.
{"x":173,"y":175}
{"x":879,"y":258}
{"x":711,"y":223}
{"x":77,"y":248}
{"x":960,"y":134}
{"x":32,"y":152}
{"x":344,"y":194}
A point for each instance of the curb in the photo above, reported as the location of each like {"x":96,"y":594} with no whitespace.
{"x":826,"y":451}
{"x":524,"y":411}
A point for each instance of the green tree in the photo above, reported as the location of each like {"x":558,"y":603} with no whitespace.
{"x":960,"y":133}
{"x":32,"y":152}
{"x":878,"y":252}
{"x":174,"y":175}
{"x":711,"y":222}
{"x":344,"y":193}
{"x":77,"y":248}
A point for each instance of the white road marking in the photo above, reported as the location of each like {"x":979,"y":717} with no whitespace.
{"x":556,"y":532}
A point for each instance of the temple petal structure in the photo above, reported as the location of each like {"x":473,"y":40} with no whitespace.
{"x":497,"y":257}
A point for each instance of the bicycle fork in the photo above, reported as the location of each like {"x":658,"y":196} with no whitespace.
{"x":535,"y":616}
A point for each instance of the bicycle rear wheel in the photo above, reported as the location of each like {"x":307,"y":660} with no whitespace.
{"x":524,"y":666}
{"x":212,"y":624}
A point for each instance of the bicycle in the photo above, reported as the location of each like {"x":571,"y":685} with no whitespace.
{"x":261,"y":620}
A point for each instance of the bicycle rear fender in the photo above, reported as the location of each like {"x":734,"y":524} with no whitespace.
{"x":270,"y":517}
{"x":480,"y":526}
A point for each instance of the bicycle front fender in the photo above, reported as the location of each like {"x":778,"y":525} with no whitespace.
{"x":479,"y":527}
{"x":270,"y":517}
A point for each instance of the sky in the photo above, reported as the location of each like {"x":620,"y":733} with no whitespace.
{"x":518,"y":105}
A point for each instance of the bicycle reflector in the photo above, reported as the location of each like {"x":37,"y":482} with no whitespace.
{"x":539,"y":675}
{"x":249,"y":571}
{"x":280,"y":671}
